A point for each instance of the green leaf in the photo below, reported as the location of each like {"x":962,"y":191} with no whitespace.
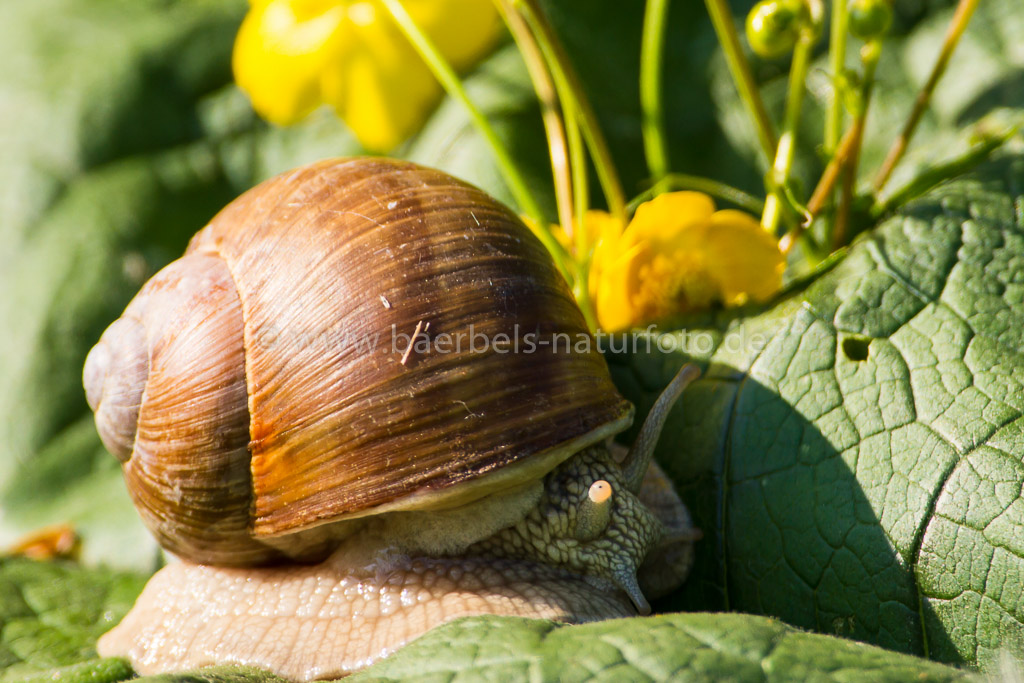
{"x":90,"y":671}
{"x":51,"y":615}
{"x":697,"y":647}
{"x":217,"y":674}
{"x":854,"y":455}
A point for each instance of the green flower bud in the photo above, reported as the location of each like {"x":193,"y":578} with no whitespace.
{"x":870,"y":19}
{"x":773,"y":26}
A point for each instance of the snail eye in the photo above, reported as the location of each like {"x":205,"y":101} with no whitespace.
{"x":595,"y":511}
{"x":600,"y":491}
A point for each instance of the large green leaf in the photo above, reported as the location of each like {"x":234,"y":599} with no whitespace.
{"x":854,"y":455}
{"x":696,"y":647}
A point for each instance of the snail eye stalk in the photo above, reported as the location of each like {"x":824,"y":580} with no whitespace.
{"x":634,"y":467}
{"x":595,"y":511}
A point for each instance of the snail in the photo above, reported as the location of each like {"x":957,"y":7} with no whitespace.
{"x":363,"y":403}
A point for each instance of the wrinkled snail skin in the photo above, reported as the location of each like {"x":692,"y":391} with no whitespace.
{"x":328,"y":620}
{"x":271,"y":400}
{"x":305,"y":623}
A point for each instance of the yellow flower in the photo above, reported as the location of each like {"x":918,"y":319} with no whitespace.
{"x":676,"y":255}
{"x":291,"y":56}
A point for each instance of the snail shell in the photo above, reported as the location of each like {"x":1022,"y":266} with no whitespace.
{"x":260,"y":391}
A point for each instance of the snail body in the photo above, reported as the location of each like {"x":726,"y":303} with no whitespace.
{"x":310,"y":383}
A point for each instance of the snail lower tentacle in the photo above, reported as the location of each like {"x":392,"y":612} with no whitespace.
{"x":551,"y":531}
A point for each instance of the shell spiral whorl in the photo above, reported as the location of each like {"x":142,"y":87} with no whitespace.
{"x":175,"y":361}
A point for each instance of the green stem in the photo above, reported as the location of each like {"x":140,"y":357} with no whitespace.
{"x":652,"y":116}
{"x":582,"y":247}
{"x":571,"y":90}
{"x":551,"y":114}
{"x":739,"y":67}
{"x":581,"y":291}
{"x":842,"y":219}
{"x":940,"y":173}
{"x":571,"y":183}
{"x":827,"y":182}
{"x":718,"y":190}
{"x":580,"y":183}
{"x":846,"y":157}
{"x":961,"y":18}
{"x":869,"y":55}
{"x":787,"y":141}
{"x":444,"y":73}
{"x":837,"y":62}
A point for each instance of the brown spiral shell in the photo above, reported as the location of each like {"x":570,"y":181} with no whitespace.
{"x":260,"y":386}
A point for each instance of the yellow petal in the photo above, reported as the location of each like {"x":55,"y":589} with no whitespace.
{"x":280,"y":52}
{"x":663,"y":218}
{"x":679,"y":254}
{"x":380,"y":87}
{"x":603,"y":231}
{"x":669,"y":277}
{"x":742,"y":258}
{"x":463,"y":30}
{"x":613,"y":292}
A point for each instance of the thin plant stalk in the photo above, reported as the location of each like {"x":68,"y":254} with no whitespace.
{"x":444,"y":73}
{"x":551,"y":113}
{"x":941,"y":172}
{"x":652,"y":115}
{"x":582,"y":238}
{"x":846,"y":156}
{"x":562,"y":120}
{"x":739,"y":67}
{"x":869,"y":55}
{"x":570,"y":89}
{"x":957,"y":26}
{"x":582,"y":246}
{"x":827,"y":182}
{"x":580,"y":183}
{"x":714,"y":188}
{"x":839,"y":227}
{"x":577,"y":184}
{"x":787,"y":141}
{"x":837,"y":62}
